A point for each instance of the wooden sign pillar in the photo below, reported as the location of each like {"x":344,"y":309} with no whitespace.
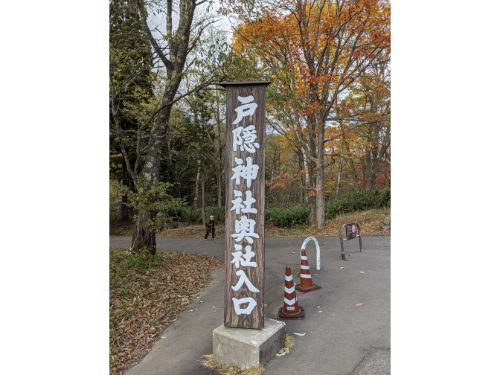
{"x":244,"y":227}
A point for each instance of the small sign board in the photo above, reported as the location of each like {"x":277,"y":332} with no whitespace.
{"x":351,"y":231}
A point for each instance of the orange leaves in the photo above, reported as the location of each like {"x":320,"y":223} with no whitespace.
{"x":280,"y":181}
{"x":312,"y":193}
{"x":278,"y":185}
{"x":262,"y":33}
{"x":319,"y":58}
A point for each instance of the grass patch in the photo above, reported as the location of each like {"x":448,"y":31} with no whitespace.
{"x":208,"y":361}
{"x":146,"y":295}
{"x":288,"y":344}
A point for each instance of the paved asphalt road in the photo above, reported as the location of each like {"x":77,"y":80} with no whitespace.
{"x":341,"y":336}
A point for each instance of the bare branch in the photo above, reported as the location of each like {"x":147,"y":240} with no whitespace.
{"x":144,"y":17}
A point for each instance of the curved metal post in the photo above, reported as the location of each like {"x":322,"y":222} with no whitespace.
{"x":304,"y":244}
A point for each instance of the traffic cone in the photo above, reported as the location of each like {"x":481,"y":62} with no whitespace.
{"x":306,"y":283}
{"x":291,"y":308}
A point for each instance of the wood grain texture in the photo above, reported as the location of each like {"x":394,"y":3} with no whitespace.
{"x":256,"y":275}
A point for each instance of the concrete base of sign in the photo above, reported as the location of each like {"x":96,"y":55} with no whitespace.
{"x":247,"y":348}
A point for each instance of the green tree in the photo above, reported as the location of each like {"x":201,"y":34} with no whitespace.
{"x":171,"y":51}
{"x":131,"y":87}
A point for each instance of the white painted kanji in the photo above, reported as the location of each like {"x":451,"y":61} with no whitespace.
{"x":244,"y":138}
{"x":243,"y":259}
{"x":245,"y":229}
{"x":246,"y":172}
{"x":245,"y":206}
{"x":243,"y":279}
{"x":247,"y":310}
{"x":246,"y":109}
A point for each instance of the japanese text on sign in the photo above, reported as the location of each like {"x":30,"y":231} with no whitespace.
{"x":244,"y":172}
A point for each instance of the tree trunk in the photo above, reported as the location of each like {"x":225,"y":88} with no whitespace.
{"x":144,"y":236}
{"x":320,"y":176}
{"x":125,"y":208}
{"x":203,"y":199}
{"x":219,"y":187}
{"x":145,"y":233}
{"x":125,"y":217}
{"x":339,"y":175}
{"x":373,"y":167}
{"x":307,"y":178}
{"x":196,"y":185}
{"x":220,"y":153}
{"x":320,"y":193}
{"x":311,"y":187}
{"x":368,"y":171}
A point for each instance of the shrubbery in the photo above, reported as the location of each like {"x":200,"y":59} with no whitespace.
{"x":219,"y":214}
{"x":286,"y":217}
{"x":379,"y":198}
{"x":193,"y":215}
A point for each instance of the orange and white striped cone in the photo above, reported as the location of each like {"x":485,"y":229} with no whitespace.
{"x":306,"y":283}
{"x":291,"y":308}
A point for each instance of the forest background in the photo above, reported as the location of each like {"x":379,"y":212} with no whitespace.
{"x":327,"y":116}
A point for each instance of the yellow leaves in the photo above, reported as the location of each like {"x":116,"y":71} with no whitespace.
{"x":259,"y":34}
{"x":309,"y":49}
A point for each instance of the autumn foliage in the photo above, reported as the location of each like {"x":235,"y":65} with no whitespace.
{"x":325,"y":60}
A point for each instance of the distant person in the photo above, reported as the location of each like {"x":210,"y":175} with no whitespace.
{"x":210,"y":227}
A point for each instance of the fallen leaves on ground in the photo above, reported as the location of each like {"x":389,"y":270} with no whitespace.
{"x":289,"y":343}
{"x":146,"y":295}
{"x":282,"y":352}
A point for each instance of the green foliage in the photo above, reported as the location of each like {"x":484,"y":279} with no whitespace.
{"x":286,"y":217}
{"x":154,"y":199}
{"x":175,"y":212}
{"x":377,"y":198}
{"x":115,"y":197}
{"x":218,"y":213}
{"x":283,"y":216}
{"x":194,"y":215}
{"x":191,"y":215}
{"x":239,"y":67}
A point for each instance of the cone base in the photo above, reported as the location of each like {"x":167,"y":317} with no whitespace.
{"x":305,"y":290}
{"x":297,"y":316}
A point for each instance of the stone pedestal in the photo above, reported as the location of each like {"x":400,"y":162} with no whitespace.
{"x":247,"y":348}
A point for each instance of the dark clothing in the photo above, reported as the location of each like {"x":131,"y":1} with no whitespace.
{"x":210,"y":227}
